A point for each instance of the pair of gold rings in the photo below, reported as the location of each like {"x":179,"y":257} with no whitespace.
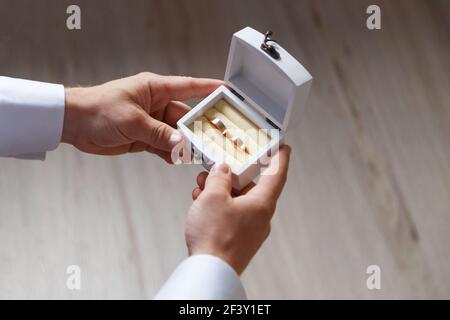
{"x":223,"y":130}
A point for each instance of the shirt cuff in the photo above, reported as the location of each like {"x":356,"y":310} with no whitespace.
{"x":31,"y":117}
{"x":203,"y":277}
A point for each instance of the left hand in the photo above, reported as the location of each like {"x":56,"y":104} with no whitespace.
{"x":133,"y":114}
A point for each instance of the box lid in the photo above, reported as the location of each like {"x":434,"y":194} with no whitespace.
{"x":276,"y":85}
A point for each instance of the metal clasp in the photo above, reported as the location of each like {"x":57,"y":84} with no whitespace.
{"x":268,"y":48}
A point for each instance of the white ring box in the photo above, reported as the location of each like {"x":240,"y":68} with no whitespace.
{"x":270,"y":92}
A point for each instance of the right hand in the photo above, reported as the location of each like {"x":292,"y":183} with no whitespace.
{"x":233,"y":228}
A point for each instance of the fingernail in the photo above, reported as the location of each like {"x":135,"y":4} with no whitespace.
{"x":221,"y":168}
{"x":175,"y":138}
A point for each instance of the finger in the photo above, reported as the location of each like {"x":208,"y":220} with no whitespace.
{"x":158,"y":114}
{"x":182,"y":88}
{"x":270,"y":185}
{"x":219,"y":179}
{"x":134,"y":147}
{"x":196,"y":193}
{"x":109,"y":151}
{"x":174,"y":111}
{"x":201,"y":179}
{"x":155,"y":133}
{"x":138,"y":146}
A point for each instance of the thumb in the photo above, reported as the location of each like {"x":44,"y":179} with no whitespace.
{"x":159,"y":134}
{"x":219,"y":179}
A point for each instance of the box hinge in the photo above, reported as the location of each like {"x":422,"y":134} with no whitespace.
{"x":237,"y":94}
{"x":272,"y":124}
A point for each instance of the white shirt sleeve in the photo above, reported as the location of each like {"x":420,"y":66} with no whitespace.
{"x":202,"y":277}
{"x":31,"y":117}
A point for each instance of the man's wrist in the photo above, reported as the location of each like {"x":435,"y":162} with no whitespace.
{"x":233,"y":263}
{"x":69,"y":131}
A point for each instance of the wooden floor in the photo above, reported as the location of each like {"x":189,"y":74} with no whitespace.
{"x":370,"y":176}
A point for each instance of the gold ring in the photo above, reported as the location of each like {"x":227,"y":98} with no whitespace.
{"x":219,"y":125}
{"x":239,"y":143}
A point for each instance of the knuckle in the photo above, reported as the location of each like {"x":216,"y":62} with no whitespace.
{"x":194,"y":193}
{"x":158,"y":132}
{"x":145,"y":78}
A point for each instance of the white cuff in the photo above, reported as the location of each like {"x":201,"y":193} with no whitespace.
{"x":202,"y":277}
{"x":31,"y":117}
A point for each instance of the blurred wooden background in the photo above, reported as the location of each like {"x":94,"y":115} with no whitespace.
{"x":370,"y":176}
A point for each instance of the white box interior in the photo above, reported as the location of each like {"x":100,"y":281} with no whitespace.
{"x":248,"y":169}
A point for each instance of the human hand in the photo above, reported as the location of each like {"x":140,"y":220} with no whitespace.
{"x":133,"y":114}
{"x":234,"y":227}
